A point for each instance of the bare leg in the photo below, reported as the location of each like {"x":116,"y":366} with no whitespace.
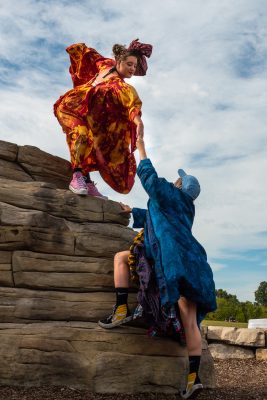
{"x":189,"y":319}
{"x":121,"y":270}
{"x":188,"y":312}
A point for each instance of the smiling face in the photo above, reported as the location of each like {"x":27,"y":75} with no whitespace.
{"x":126,"y":68}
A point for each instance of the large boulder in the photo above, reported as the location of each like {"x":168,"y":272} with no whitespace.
{"x":225,"y":351}
{"x":56,"y":277}
{"x":79,"y":354}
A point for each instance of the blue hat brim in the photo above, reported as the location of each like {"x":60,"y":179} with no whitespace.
{"x":181,"y":173}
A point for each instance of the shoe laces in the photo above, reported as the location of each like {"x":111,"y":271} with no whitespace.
{"x":112,"y":313}
{"x":80,"y":179}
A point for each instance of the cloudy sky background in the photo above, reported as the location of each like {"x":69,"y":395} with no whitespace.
{"x":204,"y":105}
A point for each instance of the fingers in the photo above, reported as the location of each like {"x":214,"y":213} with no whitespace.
{"x":125,"y":208}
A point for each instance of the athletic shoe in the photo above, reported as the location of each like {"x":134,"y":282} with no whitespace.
{"x":93,"y":191}
{"x":192,"y":389}
{"x":77,"y":184}
{"x":120,"y":315}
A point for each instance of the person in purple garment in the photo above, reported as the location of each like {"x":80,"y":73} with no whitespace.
{"x":180,"y":262}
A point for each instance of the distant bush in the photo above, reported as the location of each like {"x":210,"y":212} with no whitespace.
{"x":229,"y":308}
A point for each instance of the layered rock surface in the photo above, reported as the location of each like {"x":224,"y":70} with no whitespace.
{"x":56,"y":277}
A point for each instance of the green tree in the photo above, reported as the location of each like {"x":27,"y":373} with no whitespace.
{"x":261,"y":294}
{"x":222,"y":294}
{"x":250,"y":310}
{"x":228,"y":306}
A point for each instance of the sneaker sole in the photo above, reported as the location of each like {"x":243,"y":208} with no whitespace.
{"x":192,"y":394}
{"x":114,"y":324}
{"x":82,"y":192}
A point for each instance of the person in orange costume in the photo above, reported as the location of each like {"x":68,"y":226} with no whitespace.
{"x":101,"y":115}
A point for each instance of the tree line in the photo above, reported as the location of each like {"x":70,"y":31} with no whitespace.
{"x":229,"y":308}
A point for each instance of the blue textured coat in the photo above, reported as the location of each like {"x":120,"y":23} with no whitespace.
{"x":180,"y":261}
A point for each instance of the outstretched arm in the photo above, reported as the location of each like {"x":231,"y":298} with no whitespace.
{"x":139,"y":215}
{"x":139,"y":127}
{"x":140,"y":144}
{"x":156,"y":188}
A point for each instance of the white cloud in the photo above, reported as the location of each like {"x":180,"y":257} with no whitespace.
{"x":204,"y":105}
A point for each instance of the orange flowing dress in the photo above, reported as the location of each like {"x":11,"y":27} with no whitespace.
{"x":98,"y":120}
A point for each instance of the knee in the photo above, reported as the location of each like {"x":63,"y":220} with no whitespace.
{"x":121,"y":258}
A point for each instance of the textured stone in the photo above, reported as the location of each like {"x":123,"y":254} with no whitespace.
{"x":6,"y":276}
{"x":261,"y":354}
{"x":5,"y":258}
{"x":42,"y":232}
{"x":8,"y":151}
{"x":55,"y":271}
{"x":31,"y":229}
{"x":225,"y":351}
{"x":204,"y":331}
{"x":60,"y":203}
{"x":112,"y":213}
{"x":10,"y":170}
{"x":98,"y":240}
{"x":25,"y":305}
{"x":82,"y":355}
{"x":12,"y":238}
{"x":238,"y":336}
{"x":45,"y":167}
{"x":57,"y":249}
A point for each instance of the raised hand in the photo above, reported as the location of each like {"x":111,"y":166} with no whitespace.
{"x":125,"y":209}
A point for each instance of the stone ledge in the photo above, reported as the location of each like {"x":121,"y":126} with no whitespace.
{"x":237,"y":336}
{"x":24,"y":305}
{"x":46,"y":197}
{"x":261,"y":354}
{"x":79,"y":354}
{"x":225,"y":351}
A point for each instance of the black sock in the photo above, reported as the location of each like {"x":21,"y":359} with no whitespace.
{"x":88,"y":179}
{"x":121,"y":296}
{"x":194,"y":362}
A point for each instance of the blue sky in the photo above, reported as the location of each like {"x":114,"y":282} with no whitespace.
{"x":204,"y":105}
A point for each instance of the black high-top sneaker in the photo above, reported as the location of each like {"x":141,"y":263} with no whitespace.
{"x":120,"y":315}
{"x":193,"y":387}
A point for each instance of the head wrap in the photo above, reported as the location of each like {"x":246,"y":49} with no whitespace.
{"x":143,"y":50}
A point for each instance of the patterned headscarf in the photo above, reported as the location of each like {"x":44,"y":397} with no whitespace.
{"x":143,"y":50}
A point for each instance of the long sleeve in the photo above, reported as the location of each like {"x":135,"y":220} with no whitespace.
{"x":157,"y":188}
{"x":139,"y":217}
{"x":85,"y":63}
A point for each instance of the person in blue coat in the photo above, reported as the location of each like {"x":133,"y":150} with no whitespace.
{"x":180,"y":262}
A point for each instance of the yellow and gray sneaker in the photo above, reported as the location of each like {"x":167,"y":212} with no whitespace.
{"x":120,"y":315}
{"x":192,"y":389}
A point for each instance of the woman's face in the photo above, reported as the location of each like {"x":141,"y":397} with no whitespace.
{"x":126,"y":68}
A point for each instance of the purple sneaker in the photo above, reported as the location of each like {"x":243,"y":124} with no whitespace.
{"x":93,"y":191}
{"x":78,"y":184}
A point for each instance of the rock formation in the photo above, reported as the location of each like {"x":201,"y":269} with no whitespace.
{"x":56,"y":277}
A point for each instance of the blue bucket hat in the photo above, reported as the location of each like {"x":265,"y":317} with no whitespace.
{"x":190,"y":184}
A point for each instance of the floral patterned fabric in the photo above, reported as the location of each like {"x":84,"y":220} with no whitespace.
{"x":98,"y":120}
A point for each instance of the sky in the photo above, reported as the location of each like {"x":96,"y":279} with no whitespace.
{"x":204,"y":105}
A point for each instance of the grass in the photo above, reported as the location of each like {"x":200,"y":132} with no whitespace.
{"x":208,"y":322}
